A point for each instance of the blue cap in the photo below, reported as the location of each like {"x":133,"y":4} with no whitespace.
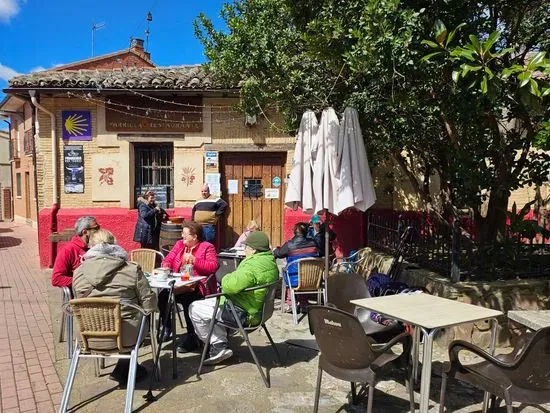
{"x":315,"y":219}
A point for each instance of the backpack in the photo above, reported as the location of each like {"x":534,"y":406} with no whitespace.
{"x":380,"y":284}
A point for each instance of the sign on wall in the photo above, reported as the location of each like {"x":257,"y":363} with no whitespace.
{"x":211,"y":159}
{"x":73,"y":168}
{"x":140,"y":114}
{"x":76,"y":125}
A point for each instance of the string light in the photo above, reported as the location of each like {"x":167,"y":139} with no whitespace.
{"x":214,"y":109}
{"x":166,"y":120}
{"x":171,"y":102}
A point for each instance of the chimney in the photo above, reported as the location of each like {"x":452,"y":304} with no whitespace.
{"x":137,"y":47}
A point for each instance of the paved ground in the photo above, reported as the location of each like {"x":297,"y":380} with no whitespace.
{"x":26,"y":380}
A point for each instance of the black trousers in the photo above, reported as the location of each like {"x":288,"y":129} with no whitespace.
{"x":185,"y":300}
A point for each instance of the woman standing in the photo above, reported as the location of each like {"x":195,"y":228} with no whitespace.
{"x":150,"y":216}
{"x":202,"y":255}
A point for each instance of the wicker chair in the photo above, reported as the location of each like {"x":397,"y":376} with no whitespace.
{"x":99,"y":325}
{"x":146,"y":258}
{"x":310,"y":276}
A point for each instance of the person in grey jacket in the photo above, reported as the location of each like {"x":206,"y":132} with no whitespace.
{"x":106,"y":272}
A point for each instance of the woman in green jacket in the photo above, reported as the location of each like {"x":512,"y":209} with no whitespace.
{"x":258,"y":268}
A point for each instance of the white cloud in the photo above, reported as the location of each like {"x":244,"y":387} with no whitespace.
{"x":8,"y":9}
{"x":38,"y":69}
{"x":6,"y":73}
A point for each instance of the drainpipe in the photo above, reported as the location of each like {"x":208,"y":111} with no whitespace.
{"x":55,"y":196}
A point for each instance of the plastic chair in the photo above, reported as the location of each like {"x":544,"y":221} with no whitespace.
{"x":347,"y":353}
{"x":267,"y":312}
{"x":66,"y":323}
{"x":146,"y":258}
{"x":310,"y":276}
{"x":99,"y":324}
{"x":521,"y":376}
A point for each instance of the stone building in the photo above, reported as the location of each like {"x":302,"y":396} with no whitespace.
{"x":106,"y":129}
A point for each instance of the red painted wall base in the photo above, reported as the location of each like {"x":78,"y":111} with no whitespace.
{"x":350,"y":227}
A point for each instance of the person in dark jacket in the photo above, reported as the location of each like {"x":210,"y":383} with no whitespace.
{"x":150,"y":216}
{"x":317,"y":233}
{"x":294,"y":249}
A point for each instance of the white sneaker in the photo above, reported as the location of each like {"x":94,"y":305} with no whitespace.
{"x":218,"y":356}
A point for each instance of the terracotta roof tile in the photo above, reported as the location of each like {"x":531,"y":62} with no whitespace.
{"x":179,"y":77}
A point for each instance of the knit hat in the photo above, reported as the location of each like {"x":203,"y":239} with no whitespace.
{"x":258,"y":240}
{"x":315,"y":219}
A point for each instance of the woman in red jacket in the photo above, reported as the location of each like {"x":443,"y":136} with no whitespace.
{"x":202,"y":255}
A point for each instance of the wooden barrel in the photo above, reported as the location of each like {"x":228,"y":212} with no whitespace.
{"x":169,"y":234}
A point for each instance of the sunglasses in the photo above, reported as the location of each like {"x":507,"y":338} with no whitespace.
{"x":94,"y":228}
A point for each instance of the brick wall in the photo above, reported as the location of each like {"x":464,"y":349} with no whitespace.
{"x":118,"y":61}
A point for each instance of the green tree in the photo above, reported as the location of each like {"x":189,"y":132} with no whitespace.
{"x":467,"y":104}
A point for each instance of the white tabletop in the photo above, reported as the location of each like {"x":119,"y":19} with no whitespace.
{"x":425,"y":310}
{"x":154,"y":283}
{"x":535,"y":319}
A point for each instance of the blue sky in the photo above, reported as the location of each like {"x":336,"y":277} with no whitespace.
{"x":40,"y":34}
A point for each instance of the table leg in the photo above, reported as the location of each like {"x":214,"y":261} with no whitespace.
{"x":174,"y":353}
{"x":154,"y":343}
{"x":487,"y":395}
{"x":426,"y":369}
{"x":415,"y":353}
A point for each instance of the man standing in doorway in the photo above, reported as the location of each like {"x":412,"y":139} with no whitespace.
{"x":69,"y":257}
{"x":207,"y":212}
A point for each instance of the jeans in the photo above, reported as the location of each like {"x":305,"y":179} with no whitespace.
{"x":209,"y":233}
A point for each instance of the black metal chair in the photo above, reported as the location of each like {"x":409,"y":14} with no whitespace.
{"x":267,"y":312}
{"x":521,"y":376}
{"x":344,"y":287}
{"x":347,"y":353}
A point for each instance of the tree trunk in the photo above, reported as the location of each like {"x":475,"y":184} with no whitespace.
{"x":494,"y":226}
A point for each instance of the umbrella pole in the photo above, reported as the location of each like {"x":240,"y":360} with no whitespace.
{"x":327,"y":258}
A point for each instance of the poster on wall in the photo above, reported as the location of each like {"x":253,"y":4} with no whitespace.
{"x":213,"y":182}
{"x":73,"y":167}
{"x":76,"y":125}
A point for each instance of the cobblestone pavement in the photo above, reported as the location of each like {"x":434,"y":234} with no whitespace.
{"x":28,"y":379}
{"x":234,"y":386}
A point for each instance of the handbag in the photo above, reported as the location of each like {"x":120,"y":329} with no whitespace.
{"x":228,"y":318}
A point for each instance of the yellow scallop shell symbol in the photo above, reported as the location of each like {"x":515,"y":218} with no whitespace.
{"x":76,"y":125}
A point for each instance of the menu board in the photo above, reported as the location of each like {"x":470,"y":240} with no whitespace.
{"x":161,"y":192}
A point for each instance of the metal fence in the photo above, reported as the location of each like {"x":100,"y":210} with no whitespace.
{"x":443,"y":248}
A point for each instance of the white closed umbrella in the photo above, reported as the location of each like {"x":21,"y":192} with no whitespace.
{"x":355,"y":186}
{"x":299,"y":190}
{"x":335,"y":175}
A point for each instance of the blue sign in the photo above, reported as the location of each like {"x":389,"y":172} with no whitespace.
{"x":276,"y":182}
{"x":76,"y":125}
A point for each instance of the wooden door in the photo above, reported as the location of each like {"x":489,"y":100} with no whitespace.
{"x":256,"y":171}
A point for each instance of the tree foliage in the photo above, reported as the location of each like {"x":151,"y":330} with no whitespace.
{"x":466,"y":104}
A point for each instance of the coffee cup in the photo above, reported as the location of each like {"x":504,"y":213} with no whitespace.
{"x":161,"y":274}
